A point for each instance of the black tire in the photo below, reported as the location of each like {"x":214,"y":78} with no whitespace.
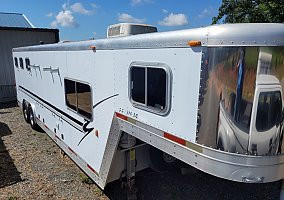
{"x":26,"y":112}
{"x":162,"y":161}
{"x":220,"y":145}
{"x":33,"y":119}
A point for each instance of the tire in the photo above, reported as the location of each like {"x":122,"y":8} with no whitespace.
{"x":220,"y":145}
{"x":32,"y":119}
{"x":162,"y":161}
{"x":26,"y":112}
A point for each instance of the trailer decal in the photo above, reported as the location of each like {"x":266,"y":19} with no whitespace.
{"x":86,"y":130}
{"x":72,"y":151}
{"x":92,"y":169}
{"x":40,"y":100}
{"x":87,"y":122}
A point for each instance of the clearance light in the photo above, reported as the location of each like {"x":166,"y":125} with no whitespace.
{"x":93,"y":47}
{"x":194,"y":43}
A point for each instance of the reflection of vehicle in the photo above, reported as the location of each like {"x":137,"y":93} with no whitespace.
{"x":262,"y":138}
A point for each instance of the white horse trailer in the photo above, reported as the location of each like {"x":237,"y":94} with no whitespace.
{"x":211,"y":97}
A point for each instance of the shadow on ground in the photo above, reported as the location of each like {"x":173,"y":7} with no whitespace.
{"x":10,"y":104}
{"x":195,"y":185}
{"x":8,"y":172}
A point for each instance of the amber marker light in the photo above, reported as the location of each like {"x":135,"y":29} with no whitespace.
{"x":93,"y":47}
{"x":194,"y":43}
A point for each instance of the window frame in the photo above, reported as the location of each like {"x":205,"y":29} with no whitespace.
{"x":76,"y":111}
{"x":142,"y":106}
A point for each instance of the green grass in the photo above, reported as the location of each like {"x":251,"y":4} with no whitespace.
{"x":85,"y":179}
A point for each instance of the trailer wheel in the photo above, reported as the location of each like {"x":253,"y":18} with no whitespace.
{"x":220,"y":145}
{"x":26,"y":112}
{"x":32,"y":119}
{"x":162,"y":161}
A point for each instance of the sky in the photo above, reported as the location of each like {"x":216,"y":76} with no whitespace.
{"x":86,"y":19}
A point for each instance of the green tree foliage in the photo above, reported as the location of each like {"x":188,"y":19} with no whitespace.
{"x":250,"y":11}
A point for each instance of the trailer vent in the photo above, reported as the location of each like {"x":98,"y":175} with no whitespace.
{"x":125,"y":29}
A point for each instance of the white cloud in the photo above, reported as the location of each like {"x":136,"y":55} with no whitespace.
{"x":205,"y":12}
{"x":64,"y":18}
{"x":139,"y":2}
{"x":49,"y":14}
{"x":174,"y":20}
{"x":65,"y":6}
{"x":79,"y":8}
{"x":124,"y":17}
{"x":164,"y":11}
{"x":95,"y":6}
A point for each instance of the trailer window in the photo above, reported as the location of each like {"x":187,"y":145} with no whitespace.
{"x":16,"y":62}
{"x":84,"y":99}
{"x":70,"y":94}
{"x":78,"y":97}
{"x":148,"y":88}
{"x":21,"y":63}
{"x":138,"y":84}
{"x":28,"y":64}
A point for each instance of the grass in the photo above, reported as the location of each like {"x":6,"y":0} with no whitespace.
{"x":85,"y":179}
{"x":12,"y":198}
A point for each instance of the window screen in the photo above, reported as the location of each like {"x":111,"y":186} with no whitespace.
{"x":78,"y":97}
{"x":149,"y":88}
{"x":21,"y":63}
{"x":16,"y":62}
{"x":28,"y":67}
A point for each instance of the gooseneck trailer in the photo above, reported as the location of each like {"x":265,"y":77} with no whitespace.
{"x":211,"y":97}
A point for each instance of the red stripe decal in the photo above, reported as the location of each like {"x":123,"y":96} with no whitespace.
{"x":91,"y":169}
{"x":46,"y":126}
{"x":121,"y":116}
{"x":175,"y":139}
{"x":72,"y":151}
{"x":57,"y":137}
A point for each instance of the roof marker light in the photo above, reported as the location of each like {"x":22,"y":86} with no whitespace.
{"x":194,"y":43}
{"x":93,"y":47}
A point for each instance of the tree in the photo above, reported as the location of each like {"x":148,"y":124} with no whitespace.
{"x":250,"y":11}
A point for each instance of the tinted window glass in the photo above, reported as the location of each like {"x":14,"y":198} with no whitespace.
{"x":16,"y":62}
{"x":84,"y":99}
{"x":21,"y":63}
{"x":268,"y":110}
{"x":70,"y":94}
{"x":149,"y":87}
{"x":138,"y":84}
{"x":28,"y":64}
{"x":156,"y":88}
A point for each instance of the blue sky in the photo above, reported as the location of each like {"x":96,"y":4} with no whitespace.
{"x":85,"y":19}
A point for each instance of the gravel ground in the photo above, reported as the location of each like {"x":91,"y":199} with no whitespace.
{"x":31,"y":167}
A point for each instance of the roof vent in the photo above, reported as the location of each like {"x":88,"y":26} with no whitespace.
{"x":125,"y":29}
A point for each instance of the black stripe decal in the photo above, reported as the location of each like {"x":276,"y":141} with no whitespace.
{"x":55,"y":108}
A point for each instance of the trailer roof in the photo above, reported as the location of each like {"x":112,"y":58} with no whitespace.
{"x":262,"y":34}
